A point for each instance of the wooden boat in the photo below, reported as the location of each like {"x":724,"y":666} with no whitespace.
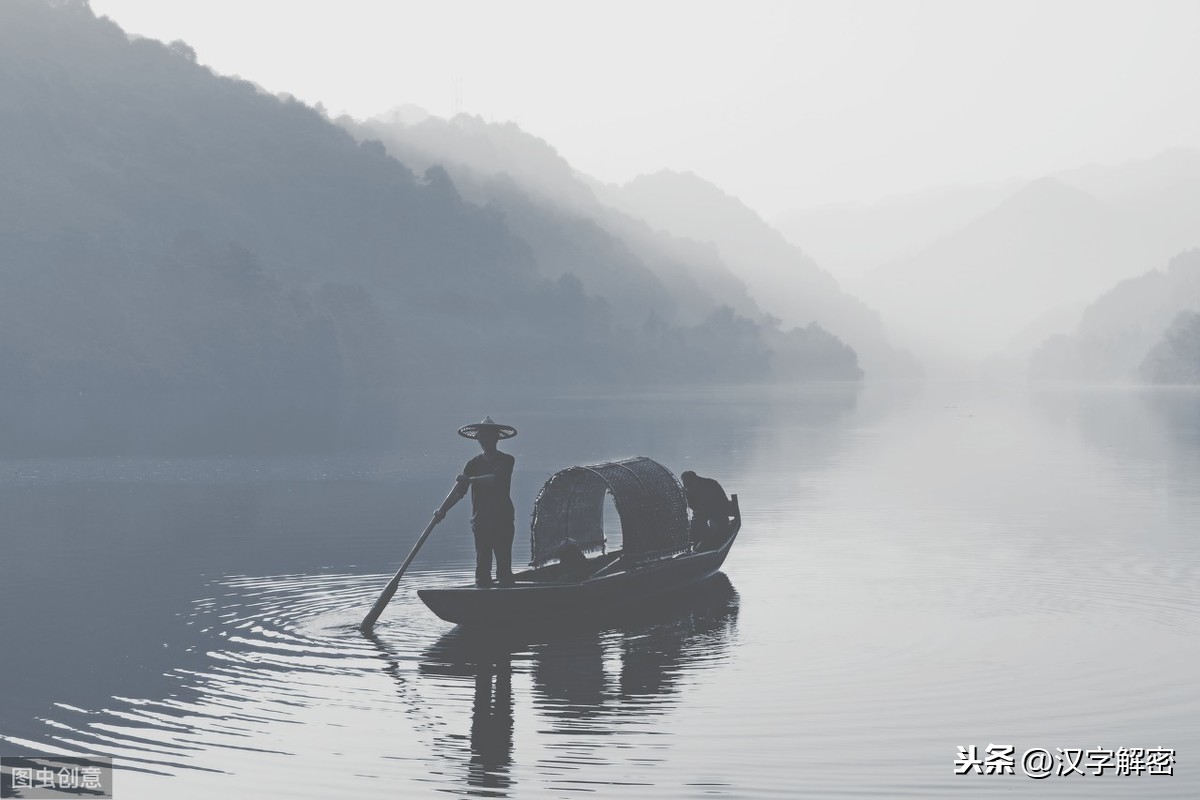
{"x":657,"y":556}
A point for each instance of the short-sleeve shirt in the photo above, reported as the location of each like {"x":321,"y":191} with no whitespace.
{"x":490,"y":502}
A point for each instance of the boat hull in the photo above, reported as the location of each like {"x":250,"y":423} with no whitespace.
{"x":526,"y":602}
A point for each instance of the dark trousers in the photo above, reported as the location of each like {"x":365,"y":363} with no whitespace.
{"x":493,"y":538}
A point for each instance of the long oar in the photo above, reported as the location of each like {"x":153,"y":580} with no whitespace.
{"x":389,"y":591}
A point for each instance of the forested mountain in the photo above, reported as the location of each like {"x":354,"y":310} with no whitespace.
{"x":1175,"y":359}
{"x":1141,"y":328}
{"x":616,"y":255}
{"x":141,"y":191}
{"x":167,"y":230}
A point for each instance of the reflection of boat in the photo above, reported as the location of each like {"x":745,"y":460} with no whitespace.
{"x":571,"y":664}
{"x":579,"y":675}
{"x":657,"y":557}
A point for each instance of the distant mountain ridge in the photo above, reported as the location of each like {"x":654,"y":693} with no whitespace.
{"x":852,"y":239}
{"x":523,"y":177}
{"x":1135,"y":178}
{"x":1046,"y":246}
{"x":488,"y":149}
{"x":538,"y":194}
{"x":783,"y":280}
{"x":1003,"y":261}
{"x":1120,"y":330}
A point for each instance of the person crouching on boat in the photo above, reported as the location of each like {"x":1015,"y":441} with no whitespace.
{"x":710,"y":510}
{"x":489,"y":476}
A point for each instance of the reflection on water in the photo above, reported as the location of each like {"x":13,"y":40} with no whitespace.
{"x":918,"y":570}
{"x":571,"y":667}
{"x":1140,"y":427}
{"x":284,"y":648}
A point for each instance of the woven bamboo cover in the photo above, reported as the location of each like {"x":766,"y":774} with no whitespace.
{"x":649,"y":502}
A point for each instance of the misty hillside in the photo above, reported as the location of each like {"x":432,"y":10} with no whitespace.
{"x":1117,"y":333}
{"x":525,"y":182}
{"x":556,"y":212}
{"x":615,"y":255}
{"x":1175,"y":359}
{"x":852,"y":239}
{"x":1157,"y":200}
{"x":782,"y":279}
{"x":487,"y":149}
{"x":167,"y":230}
{"x":982,"y":269}
{"x":129,"y":167}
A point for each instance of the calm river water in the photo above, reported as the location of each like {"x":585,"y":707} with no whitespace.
{"x":921,"y":569}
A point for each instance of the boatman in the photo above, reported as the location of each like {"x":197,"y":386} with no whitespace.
{"x":489,"y":476}
{"x":710,"y":510}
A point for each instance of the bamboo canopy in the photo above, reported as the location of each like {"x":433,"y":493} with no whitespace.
{"x":649,"y":502}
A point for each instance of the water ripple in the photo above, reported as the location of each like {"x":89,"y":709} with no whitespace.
{"x":282,"y":656}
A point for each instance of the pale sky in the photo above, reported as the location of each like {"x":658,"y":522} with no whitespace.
{"x":786,"y":105}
